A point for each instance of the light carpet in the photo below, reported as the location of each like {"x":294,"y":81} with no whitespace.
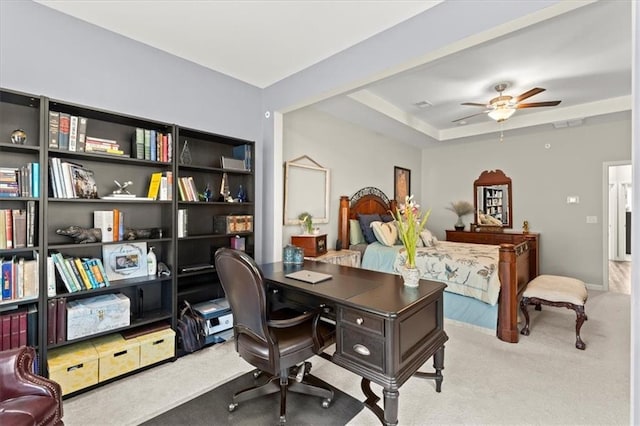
{"x":542,"y":380}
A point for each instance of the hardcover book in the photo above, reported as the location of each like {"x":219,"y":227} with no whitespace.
{"x":63,"y":131}
{"x":61,"y":320}
{"x":82,"y":133}
{"x":19,"y":228}
{"x":52,"y":310}
{"x":84,"y":182}
{"x":103,"y":219}
{"x":73,"y":133}
{"x":54,"y":129}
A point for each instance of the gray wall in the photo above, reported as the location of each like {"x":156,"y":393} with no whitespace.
{"x":355,"y":156}
{"x":542,"y":180}
{"x":45,"y":52}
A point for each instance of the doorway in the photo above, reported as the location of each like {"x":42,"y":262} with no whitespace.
{"x":618,"y":236}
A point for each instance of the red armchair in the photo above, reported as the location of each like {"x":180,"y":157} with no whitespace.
{"x":26,"y":398}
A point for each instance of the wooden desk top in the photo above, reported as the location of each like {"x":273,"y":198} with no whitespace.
{"x":376,"y":292}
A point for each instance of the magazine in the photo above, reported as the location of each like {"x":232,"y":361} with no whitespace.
{"x":84,"y":183}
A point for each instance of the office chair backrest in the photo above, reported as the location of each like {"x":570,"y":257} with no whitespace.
{"x":243,"y":284}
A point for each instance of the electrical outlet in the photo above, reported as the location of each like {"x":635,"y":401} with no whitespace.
{"x":592,"y":219}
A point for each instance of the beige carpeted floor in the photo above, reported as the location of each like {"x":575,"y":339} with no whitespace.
{"x":542,"y":380}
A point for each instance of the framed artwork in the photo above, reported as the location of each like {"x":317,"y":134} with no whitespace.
{"x":401,"y":184}
{"x":125,"y":260}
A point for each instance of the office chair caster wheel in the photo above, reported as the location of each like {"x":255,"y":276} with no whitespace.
{"x":283,"y":420}
{"x":257,"y":374}
{"x":232,"y":407}
{"x":326,"y":402}
{"x":307,"y":367}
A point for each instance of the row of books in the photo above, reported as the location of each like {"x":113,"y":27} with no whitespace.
{"x":152,"y":145}
{"x":187,"y":189}
{"x":19,"y":278}
{"x":20,"y":182}
{"x":56,"y":320}
{"x":18,"y":227}
{"x":110,"y":223}
{"x":76,"y":273}
{"x":19,"y":328}
{"x":103,"y":146}
{"x":67,"y":132}
{"x":161,"y":186}
{"x":71,"y":180}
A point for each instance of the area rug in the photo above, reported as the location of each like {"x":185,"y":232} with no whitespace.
{"x":212,"y":408}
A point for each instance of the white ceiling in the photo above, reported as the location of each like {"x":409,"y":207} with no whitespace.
{"x":582,"y":57}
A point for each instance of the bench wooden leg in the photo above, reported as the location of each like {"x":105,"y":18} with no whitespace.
{"x":523,"y":307}
{"x":580,"y":319}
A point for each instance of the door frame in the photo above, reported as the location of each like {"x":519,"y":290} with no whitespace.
{"x":605,"y":215}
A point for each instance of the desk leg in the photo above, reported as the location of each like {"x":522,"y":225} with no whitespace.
{"x":388,"y":416}
{"x":438,"y":364}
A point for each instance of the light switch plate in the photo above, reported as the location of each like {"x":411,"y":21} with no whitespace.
{"x":592,"y":219}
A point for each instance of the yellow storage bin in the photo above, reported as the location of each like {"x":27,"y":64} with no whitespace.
{"x":156,"y":346}
{"x":74,"y":367}
{"x":116,"y":356}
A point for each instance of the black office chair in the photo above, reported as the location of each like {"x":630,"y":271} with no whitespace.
{"x":271,"y":345}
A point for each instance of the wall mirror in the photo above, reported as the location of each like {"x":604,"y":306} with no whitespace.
{"x":492,"y":198}
{"x":306,"y":189}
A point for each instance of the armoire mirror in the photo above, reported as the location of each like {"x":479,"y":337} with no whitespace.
{"x":492,"y":197}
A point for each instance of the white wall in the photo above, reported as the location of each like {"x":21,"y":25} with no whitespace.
{"x":355,"y":156}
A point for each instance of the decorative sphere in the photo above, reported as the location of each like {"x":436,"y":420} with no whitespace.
{"x":19,"y":137}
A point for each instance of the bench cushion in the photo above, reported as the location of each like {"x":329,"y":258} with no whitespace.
{"x":555,"y":288}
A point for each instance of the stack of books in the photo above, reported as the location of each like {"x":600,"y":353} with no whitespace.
{"x":19,"y":328}
{"x":18,"y":226}
{"x":19,"y":278}
{"x":153,"y":145}
{"x":71,"y":180}
{"x":79,"y":274}
{"x":67,"y":132}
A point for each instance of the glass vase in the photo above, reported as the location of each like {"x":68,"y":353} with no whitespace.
{"x":410,"y":276}
{"x":459,"y":226}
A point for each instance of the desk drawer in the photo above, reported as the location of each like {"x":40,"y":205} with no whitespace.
{"x":362,"y":320}
{"x":362,"y":347}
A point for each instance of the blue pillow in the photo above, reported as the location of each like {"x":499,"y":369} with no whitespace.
{"x":387,"y":218}
{"x":365,"y":225}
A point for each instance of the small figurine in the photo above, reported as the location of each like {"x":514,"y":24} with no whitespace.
{"x":525,"y":227}
{"x":207,"y":193}
{"x":18,"y":137}
{"x":122,"y":188}
{"x":81,"y":235}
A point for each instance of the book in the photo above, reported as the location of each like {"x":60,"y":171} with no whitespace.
{"x":147,"y":144}
{"x":22,"y":328}
{"x":3,"y":230}
{"x":89,"y":272}
{"x":52,"y":314}
{"x":83,"y":273}
{"x":31,"y":223}
{"x":73,"y":133}
{"x":54,"y":128}
{"x":138,"y":144}
{"x":103,"y":219}
{"x":6,"y":331}
{"x":82,"y":133}
{"x":182,"y":223}
{"x":30,"y":280}
{"x":72,"y":273}
{"x":32,"y":326}
{"x":15,"y":330}
{"x":153,"y":146}
{"x":61,"y":320}
{"x":154,"y":185}
{"x":63,"y":131}
{"x":84,"y":183}
{"x":68,"y":187}
{"x":19,"y":218}
{"x":7,"y":279}
{"x":116,"y":225}
{"x":35,"y":180}
{"x":8,"y":224}
{"x":51,"y":277}
{"x":18,"y":279}
{"x":62,"y":272}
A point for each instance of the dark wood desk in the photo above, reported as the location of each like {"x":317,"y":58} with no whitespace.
{"x":384,"y":331}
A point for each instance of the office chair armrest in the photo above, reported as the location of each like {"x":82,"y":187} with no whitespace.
{"x":290,"y":322}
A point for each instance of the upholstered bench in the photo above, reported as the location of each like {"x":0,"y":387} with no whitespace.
{"x":554,"y":290}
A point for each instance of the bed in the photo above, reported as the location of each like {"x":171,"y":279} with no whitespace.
{"x":512,"y":268}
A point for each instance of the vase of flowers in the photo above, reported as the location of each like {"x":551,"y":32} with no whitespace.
{"x":410,"y":221}
{"x":461,"y":208}
{"x":306,"y":222}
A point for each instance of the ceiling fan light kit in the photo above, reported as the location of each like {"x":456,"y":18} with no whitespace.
{"x":502,"y":106}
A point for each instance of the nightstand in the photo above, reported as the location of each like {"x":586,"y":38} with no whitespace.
{"x":341,"y":257}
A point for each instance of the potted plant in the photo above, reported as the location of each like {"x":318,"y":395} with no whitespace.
{"x":461,"y":208}
{"x":306,"y":222}
{"x":411,"y":222}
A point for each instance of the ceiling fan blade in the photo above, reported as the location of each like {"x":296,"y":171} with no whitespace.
{"x":529,"y":93}
{"x":474,"y":104}
{"x":469,"y":116}
{"x":537,"y":104}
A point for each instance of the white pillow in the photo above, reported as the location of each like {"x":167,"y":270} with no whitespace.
{"x":428,"y":238}
{"x":419,"y":242}
{"x":386,"y":232}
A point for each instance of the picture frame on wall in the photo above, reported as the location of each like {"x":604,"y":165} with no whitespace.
{"x":122,"y":261}
{"x":401,"y":184}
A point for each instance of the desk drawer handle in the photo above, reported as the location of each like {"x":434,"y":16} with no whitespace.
{"x":361,"y":349}
{"x":359,"y":321}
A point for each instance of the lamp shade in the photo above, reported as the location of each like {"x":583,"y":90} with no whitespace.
{"x":501,"y":113}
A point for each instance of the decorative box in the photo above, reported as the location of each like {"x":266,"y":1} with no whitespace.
{"x":74,"y":367}
{"x":156,"y":346}
{"x":232,"y":223}
{"x":238,"y":243}
{"x":97,"y":314}
{"x":313,"y":245}
{"x":116,"y":355}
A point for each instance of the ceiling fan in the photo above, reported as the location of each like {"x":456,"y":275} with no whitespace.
{"x":503,"y":106}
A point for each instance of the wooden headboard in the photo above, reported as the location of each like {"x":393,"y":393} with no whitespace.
{"x":368,"y":200}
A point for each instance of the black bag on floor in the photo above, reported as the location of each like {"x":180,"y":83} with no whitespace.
{"x":190,"y":329}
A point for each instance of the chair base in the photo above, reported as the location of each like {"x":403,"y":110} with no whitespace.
{"x":581,"y":317}
{"x":309,"y":385}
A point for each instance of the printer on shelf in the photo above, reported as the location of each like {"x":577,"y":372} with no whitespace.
{"x":218,"y":319}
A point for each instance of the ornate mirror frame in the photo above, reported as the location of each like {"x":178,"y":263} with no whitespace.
{"x":492,"y":196}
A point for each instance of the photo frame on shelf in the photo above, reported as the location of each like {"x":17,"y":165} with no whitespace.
{"x":401,"y":184}
{"x":122,"y":261}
